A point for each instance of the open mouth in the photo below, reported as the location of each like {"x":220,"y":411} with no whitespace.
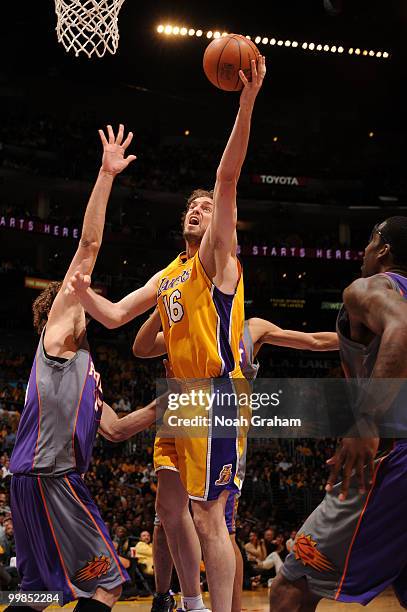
{"x":193,"y":220}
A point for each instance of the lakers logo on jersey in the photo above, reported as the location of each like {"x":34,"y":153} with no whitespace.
{"x":225,"y":475}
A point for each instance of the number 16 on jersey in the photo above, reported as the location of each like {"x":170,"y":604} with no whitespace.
{"x":173,"y":307}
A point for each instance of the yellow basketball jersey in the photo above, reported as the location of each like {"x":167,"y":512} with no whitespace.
{"x":202,"y":325}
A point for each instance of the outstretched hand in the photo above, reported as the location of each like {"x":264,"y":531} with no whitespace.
{"x":354,"y":456}
{"x":252,"y":88}
{"x":78,"y":284}
{"x":114,"y":161}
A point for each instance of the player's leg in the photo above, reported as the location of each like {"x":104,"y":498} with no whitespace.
{"x":293,"y":596}
{"x":72,"y":551}
{"x":230,"y":518}
{"x":89,"y":560}
{"x":107,"y":597}
{"x":352,"y":551}
{"x":163,"y":565}
{"x":218,"y":552}
{"x":238,"y":581}
{"x":400,"y":588}
{"x":173,"y":509}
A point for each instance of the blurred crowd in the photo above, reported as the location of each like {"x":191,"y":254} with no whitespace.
{"x":44,"y":144}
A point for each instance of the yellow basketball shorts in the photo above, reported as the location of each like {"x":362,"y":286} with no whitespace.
{"x":210,"y":457}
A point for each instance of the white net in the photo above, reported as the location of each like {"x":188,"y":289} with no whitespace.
{"x":88,"y":26}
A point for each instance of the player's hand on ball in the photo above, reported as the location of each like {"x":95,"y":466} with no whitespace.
{"x":252,"y":88}
{"x":114,"y":148}
{"x":78,"y":284}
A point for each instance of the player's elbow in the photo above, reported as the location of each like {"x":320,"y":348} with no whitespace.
{"x":116,"y":435}
{"x":227,"y":175}
{"x":317,"y":345}
{"x":140,"y":351}
{"x":116,"y":317}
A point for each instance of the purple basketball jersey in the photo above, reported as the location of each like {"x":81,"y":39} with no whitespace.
{"x":61,"y":416}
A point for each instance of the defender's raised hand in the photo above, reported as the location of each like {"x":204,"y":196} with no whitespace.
{"x":252,"y":88}
{"x":78,"y":284}
{"x":114,"y":161}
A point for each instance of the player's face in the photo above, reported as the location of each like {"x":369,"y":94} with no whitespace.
{"x":372,"y":257}
{"x":198,"y":218}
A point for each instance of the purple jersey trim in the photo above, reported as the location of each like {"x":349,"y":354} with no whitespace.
{"x":223,"y":304}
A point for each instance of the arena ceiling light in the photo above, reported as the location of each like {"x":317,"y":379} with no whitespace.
{"x":317,"y":47}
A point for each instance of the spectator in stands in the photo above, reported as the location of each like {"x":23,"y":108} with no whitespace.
{"x":5,"y":472}
{"x":17,"y":394}
{"x":281,"y":549}
{"x":9,"y":439}
{"x":255,"y":548}
{"x":290,"y":542}
{"x":269,"y":541}
{"x":144,"y":552}
{"x":144,"y":555}
{"x":9,"y":547}
{"x":284,"y":464}
{"x":123,"y":405}
{"x":4,"y":506}
{"x":269,"y":567}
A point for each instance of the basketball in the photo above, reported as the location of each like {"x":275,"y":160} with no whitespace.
{"x":225,"y":56}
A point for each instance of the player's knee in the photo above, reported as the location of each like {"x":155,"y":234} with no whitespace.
{"x":285,"y":596}
{"x":108,"y":597}
{"x":209,"y":528}
{"x":166,"y":511}
{"x":116,"y":593}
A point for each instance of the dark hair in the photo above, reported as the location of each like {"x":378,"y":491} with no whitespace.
{"x":394,"y":232}
{"x":42,"y":305}
{"x":197,"y":193}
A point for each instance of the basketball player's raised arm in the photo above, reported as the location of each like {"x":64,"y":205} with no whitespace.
{"x":149,"y":341}
{"x":113,"y":162}
{"x":114,"y":314}
{"x":265,"y":332}
{"x":221,"y":237}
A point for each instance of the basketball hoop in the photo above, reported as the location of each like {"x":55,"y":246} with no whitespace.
{"x":88,"y":26}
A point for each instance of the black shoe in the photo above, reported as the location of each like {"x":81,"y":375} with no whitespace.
{"x":129,"y":593}
{"x":163,"y":602}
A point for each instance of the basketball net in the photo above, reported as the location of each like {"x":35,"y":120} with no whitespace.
{"x":88,"y":26}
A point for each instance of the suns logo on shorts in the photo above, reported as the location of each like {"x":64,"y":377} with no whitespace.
{"x":225,"y":475}
{"x":305,"y":550}
{"x":99,"y":566}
